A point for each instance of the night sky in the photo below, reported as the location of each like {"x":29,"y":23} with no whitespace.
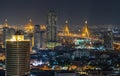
{"x":18,"y":12}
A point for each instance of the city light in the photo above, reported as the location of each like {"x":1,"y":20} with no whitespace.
{"x":77,"y":38}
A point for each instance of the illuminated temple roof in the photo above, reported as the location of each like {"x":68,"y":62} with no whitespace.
{"x":29,"y":27}
{"x":6,"y":24}
{"x":42,"y":27}
{"x":18,"y":32}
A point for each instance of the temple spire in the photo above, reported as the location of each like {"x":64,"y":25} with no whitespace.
{"x":6,"y":24}
{"x":29,"y":27}
{"x":86,"y":22}
{"x":66,"y":21}
{"x":30,"y":20}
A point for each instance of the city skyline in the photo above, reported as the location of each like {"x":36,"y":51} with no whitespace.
{"x":76,"y":12}
{"x":59,"y":38}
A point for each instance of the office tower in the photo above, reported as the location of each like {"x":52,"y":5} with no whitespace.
{"x":11,"y":32}
{"x":108,"y":40}
{"x":51,"y":29}
{"x":37,"y":36}
{"x":1,"y":38}
{"x":1,"y":35}
{"x":51,"y":26}
{"x":17,"y":55}
{"x":5,"y":33}
{"x":40,"y":36}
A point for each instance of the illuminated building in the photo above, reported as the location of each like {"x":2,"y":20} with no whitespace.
{"x":11,"y":32}
{"x":7,"y":32}
{"x":29,"y":30}
{"x":40,"y":36}
{"x":108,"y":40}
{"x":83,"y":43}
{"x":51,"y":28}
{"x":1,"y":36}
{"x":37,"y":36}
{"x":2,"y":57}
{"x":17,"y":55}
{"x":66,"y":73}
{"x":81,"y":52}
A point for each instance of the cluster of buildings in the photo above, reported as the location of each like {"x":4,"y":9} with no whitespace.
{"x":48,"y":37}
{"x":18,"y":45}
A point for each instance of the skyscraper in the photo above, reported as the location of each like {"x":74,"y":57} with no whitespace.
{"x":40,"y":36}
{"x":37,"y":36}
{"x":51,"y":26}
{"x":108,"y":40}
{"x":51,"y":29}
{"x":17,"y":55}
{"x":5,"y":33}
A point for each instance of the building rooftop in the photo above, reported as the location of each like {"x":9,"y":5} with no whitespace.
{"x":18,"y":32}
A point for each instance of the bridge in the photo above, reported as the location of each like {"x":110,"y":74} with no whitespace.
{"x":85,"y":33}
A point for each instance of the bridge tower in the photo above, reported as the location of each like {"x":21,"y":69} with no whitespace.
{"x":85,"y":30}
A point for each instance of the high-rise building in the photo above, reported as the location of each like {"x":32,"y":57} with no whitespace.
{"x":108,"y":40}
{"x":40,"y":36}
{"x":37,"y":36}
{"x":7,"y":32}
{"x":17,"y":55}
{"x":1,"y":36}
{"x":29,"y":30}
{"x":51,"y":29}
